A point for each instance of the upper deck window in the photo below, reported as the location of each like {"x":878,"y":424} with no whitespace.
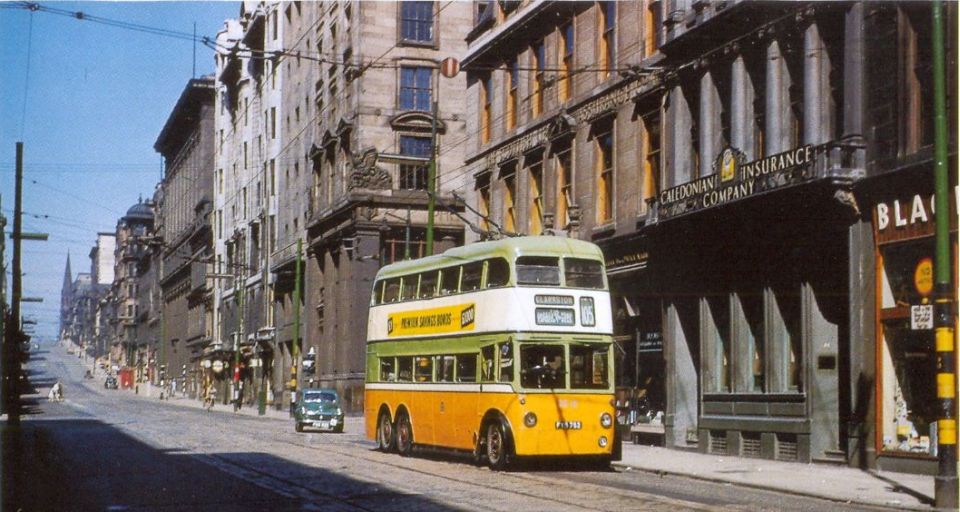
{"x":538,"y":270}
{"x":583,"y":273}
{"x":498,"y":273}
{"x":472,"y":273}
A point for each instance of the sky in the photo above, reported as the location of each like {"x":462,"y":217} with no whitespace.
{"x":88,"y":101}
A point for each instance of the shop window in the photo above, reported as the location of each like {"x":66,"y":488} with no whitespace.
{"x":535,"y":188}
{"x":715,"y":314}
{"x":466,"y":368}
{"x":751,"y":337}
{"x":785,"y":336}
{"x":909,"y":410}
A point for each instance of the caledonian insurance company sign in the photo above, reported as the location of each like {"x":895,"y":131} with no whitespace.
{"x":733,"y":180}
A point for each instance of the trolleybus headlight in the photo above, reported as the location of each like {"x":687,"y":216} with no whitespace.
{"x":602,"y":442}
{"x":530,"y":419}
{"x":606,"y":420}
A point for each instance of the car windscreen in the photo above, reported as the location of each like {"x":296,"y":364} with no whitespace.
{"x":319,"y":397}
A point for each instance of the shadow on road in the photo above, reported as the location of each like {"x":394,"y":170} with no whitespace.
{"x":69,"y":463}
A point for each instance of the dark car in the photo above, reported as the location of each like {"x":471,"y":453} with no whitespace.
{"x":318,"y":408}
{"x":110,"y":382}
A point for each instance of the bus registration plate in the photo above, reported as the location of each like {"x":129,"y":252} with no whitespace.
{"x":554,"y":316}
{"x":569,"y":425}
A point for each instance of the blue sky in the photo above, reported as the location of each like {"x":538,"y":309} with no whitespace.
{"x":96,"y":98}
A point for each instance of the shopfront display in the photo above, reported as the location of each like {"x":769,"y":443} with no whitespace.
{"x":906,"y":359}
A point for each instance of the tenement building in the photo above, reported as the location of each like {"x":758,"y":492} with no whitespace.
{"x":325,"y":114}
{"x":759,"y":178}
{"x":185,"y":241}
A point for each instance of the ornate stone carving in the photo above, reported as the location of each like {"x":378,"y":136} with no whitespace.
{"x":366,"y":174}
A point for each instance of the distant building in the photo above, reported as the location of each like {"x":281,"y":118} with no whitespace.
{"x":102,"y":258}
{"x":185,"y":241}
{"x":131,"y":272}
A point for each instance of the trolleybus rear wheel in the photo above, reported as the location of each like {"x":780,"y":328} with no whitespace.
{"x":385,"y":439}
{"x":404,"y":435}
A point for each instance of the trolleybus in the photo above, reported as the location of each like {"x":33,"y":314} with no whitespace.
{"x":501,"y":348}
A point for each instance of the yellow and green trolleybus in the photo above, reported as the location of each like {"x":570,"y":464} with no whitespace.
{"x":500,"y":348}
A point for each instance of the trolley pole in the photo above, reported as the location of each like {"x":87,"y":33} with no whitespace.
{"x":946,"y":487}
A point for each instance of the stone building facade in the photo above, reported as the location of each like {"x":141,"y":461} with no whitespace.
{"x":184,"y":206}
{"x":734,"y":160}
{"x":321,"y":144}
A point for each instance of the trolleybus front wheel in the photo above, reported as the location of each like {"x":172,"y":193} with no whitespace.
{"x":385,"y":435}
{"x":404,"y":435}
{"x":498,"y":449}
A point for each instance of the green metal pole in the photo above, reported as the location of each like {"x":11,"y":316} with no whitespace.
{"x":432,"y":180}
{"x":406,"y":244}
{"x":240,"y":286}
{"x":946,"y":488}
{"x":295,"y":349}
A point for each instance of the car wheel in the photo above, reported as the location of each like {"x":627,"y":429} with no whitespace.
{"x":404,"y":435}
{"x":385,"y":439}
{"x":298,"y":427}
{"x":498,"y":449}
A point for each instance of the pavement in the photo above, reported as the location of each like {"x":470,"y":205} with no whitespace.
{"x":831,"y":482}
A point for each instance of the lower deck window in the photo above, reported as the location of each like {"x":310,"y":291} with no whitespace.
{"x":542,"y":366}
{"x":588,"y":367}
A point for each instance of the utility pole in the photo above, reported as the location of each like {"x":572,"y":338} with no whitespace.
{"x":11,"y":343}
{"x":3,"y":313}
{"x":295,"y":349}
{"x":14,"y":335}
{"x":946,"y":487}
